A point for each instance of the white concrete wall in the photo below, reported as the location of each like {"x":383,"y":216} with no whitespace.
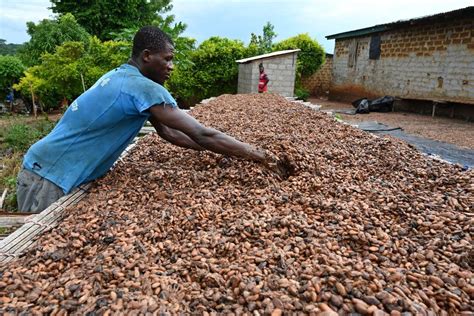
{"x":281,"y":71}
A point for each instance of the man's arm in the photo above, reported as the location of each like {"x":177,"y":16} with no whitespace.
{"x":174,"y":136}
{"x":204,"y":137}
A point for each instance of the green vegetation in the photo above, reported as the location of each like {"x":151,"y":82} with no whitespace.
{"x":301,"y":93}
{"x":262,"y":44}
{"x":17,"y":135}
{"x":8,"y":49}
{"x":212,"y":71}
{"x":64,"y":59}
{"x":48,"y":34}
{"x":103,"y":18}
{"x":11,"y":70}
{"x":60,"y":75}
{"x":311,"y":56}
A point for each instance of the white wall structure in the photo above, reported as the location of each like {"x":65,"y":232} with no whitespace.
{"x":280,"y":68}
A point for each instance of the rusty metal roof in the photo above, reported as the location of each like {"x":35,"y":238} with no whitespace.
{"x":467,"y":12}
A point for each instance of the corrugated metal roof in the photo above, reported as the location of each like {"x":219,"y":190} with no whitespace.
{"x":465,"y":12}
{"x":281,"y":52}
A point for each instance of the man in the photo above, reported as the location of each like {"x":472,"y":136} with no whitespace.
{"x":101,"y":122}
{"x":263,"y":79}
{"x":10,"y":98}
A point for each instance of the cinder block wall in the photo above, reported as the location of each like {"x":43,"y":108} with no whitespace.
{"x":320,"y":82}
{"x":280,"y":70}
{"x":247,"y":78}
{"x":433,"y":61}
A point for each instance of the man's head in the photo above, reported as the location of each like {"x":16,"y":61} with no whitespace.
{"x":260,"y":68}
{"x":153,"y":52}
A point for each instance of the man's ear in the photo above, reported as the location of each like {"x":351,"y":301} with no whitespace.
{"x":146,"y":55}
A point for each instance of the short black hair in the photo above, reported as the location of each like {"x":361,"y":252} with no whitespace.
{"x":150,"y":37}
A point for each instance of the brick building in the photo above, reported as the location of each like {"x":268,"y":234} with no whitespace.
{"x":320,"y":82}
{"x":279,"y":66}
{"x":427,"y":58}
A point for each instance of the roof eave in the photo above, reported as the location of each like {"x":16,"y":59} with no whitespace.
{"x":359,"y":32}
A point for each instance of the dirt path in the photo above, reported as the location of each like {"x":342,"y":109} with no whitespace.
{"x":453,"y":131}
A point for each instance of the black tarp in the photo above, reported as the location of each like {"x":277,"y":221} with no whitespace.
{"x":445,"y":151}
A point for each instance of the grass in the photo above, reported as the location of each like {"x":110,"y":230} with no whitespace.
{"x":17,"y":134}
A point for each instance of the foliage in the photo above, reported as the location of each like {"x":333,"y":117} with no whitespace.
{"x":338,"y":118}
{"x":48,"y":34}
{"x":8,"y":49}
{"x":301,"y":93}
{"x":212,"y":71}
{"x":8,"y":174}
{"x":182,"y":45}
{"x":262,"y":44}
{"x":19,"y":137}
{"x":60,"y":75}
{"x":103,"y":17}
{"x":11,"y":70}
{"x":311,"y":56}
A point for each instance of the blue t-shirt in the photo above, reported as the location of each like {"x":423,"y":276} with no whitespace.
{"x":96,"y":128}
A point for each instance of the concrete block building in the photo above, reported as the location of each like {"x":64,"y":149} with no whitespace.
{"x":279,"y":66}
{"x":427,"y":58}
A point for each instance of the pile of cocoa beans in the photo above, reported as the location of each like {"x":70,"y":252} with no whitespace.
{"x":361,"y":225}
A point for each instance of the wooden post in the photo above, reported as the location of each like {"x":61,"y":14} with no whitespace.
{"x":434,"y":109}
{"x":33,"y":100}
{"x":83,"y":85}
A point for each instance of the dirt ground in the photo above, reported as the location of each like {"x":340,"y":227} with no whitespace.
{"x":453,"y":131}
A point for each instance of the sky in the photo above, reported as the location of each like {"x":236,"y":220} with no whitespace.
{"x":237,"y":19}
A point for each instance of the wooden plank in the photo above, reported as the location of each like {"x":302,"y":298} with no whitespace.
{"x":20,"y":240}
{"x":11,"y":221}
{"x":23,"y":238}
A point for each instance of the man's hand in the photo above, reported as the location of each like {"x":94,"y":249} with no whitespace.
{"x":276,"y":165}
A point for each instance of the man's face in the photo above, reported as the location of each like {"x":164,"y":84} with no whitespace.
{"x":158,"y":66}
{"x":261,"y":69}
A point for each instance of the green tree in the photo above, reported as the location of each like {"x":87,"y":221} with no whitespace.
{"x":262,"y":44}
{"x":311,"y":56}
{"x":212,"y":71}
{"x":182,"y":45}
{"x":11,"y":70}
{"x":8,"y":49}
{"x":48,"y":34}
{"x":103,"y":17}
{"x":61,"y":75}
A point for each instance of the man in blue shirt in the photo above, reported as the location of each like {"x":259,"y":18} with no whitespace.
{"x":101,"y":122}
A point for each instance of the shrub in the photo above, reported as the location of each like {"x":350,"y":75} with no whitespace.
{"x":58,"y":76}
{"x":19,"y":137}
{"x":11,"y":70}
{"x":311,"y":56}
{"x":302,"y":94}
{"x":212,"y":71}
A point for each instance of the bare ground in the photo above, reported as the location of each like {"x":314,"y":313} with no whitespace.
{"x":453,"y":131}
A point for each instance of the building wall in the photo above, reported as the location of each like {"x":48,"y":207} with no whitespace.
{"x":320,"y":82}
{"x":434,"y":62}
{"x":279,"y":69}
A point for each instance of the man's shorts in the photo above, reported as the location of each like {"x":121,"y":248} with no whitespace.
{"x":35,"y":193}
